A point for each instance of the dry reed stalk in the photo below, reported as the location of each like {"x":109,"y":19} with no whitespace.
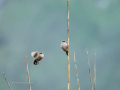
{"x":68,"y":44}
{"x":7,"y":81}
{"x":94,"y":70}
{"x":28,"y":74}
{"x":89,"y":69}
{"x":76,"y":71}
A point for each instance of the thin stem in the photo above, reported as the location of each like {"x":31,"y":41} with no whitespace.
{"x":89,"y":69}
{"x":94,"y":70}
{"x":28,"y":74}
{"x":76,"y":71}
{"x":7,"y":81}
{"x":68,"y":44}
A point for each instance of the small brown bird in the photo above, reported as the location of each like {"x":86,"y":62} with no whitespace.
{"x":64,"y":46}
{"x":38,"y":56}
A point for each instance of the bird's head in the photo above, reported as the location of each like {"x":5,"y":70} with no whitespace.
{"x":41,"y":54}
{"x":63,"y":41}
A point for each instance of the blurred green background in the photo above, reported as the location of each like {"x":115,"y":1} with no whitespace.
{"x":41,"y":25}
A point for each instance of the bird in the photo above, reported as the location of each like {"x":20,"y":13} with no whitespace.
{"x":38,"y":56}
{"x":64,"y":46}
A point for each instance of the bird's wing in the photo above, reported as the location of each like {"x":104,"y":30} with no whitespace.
{"x":34,"y":54}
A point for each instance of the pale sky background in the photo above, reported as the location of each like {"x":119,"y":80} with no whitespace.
{"x":41,"y":25}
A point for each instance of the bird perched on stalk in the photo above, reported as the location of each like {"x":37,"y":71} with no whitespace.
{"x":64,"y":46}
{"x":38,"y":56}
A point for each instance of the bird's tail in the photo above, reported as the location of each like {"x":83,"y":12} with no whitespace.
{"x":35,"y":62}
{"x":67,"y":53}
